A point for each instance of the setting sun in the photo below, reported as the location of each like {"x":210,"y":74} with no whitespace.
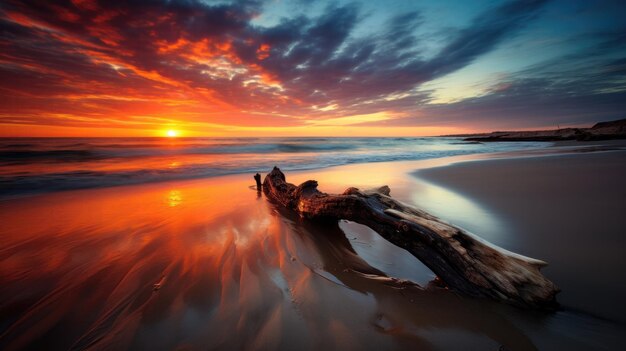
{"x":171,"y":133}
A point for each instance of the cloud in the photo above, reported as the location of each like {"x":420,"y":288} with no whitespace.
{"x":349,"y":71}
{"x":485,"y":32}
{"x":354,"y":119}
{"x":540,"y":102}
{"x":117,"y":62}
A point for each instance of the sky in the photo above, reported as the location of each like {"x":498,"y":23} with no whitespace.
{"x":308,"y":68}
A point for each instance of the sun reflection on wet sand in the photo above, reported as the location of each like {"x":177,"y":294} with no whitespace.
{"x":174,"y":198}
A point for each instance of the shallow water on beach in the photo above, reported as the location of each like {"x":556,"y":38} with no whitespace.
{"x":210,"y":264}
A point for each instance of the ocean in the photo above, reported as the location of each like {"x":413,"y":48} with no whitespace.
{"x":36,"y":165}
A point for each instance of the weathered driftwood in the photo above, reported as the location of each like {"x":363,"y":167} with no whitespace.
{"x":257,"y":178}
{"x":464,"y":262}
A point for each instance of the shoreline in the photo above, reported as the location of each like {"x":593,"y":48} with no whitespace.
{"x":34,"y":168}
{"x":555,"y":147}
{"x":609,"y":130}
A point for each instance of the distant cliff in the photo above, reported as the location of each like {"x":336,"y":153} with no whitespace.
{"x":600,"y":131}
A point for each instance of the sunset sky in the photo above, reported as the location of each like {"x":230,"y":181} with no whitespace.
{"x":337,"y":68}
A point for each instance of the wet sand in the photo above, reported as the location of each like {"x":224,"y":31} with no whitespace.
{"x":565,"y":209}
{"x":210,"y":264}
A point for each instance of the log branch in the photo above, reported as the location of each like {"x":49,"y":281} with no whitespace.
{"x":464,"y":262}
{"x":257,"y":179}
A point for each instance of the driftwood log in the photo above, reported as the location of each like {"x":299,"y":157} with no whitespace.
{"x":464,"y":262}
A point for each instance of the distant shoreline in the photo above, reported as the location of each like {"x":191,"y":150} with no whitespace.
{"x":611,"y":130}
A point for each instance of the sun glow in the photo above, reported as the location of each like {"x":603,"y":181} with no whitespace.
{"x":171,"y":133}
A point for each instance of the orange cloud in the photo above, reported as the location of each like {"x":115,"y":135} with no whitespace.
{"x":263,"y":52}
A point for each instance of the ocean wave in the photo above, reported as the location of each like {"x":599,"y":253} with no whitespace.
{"x":20,"y":156}
{"x":83,"y":151}
{"x":62,"y":164}
{"x":11,"y":146}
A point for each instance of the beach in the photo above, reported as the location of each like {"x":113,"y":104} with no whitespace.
{"x":565,"y":209}
{"x":294,"y":175}
{"x":210,"y":264}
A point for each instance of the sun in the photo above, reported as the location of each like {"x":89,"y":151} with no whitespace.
{"x":171,"y":133}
